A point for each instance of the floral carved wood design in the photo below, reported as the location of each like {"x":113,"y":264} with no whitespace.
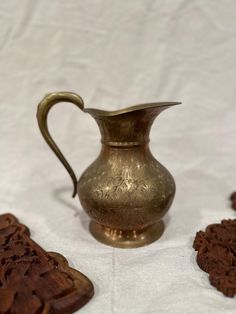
{"x":33,"y":281}
{"x":216,"y":255}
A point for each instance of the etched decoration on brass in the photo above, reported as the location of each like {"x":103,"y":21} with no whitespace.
{"x":125,"y":191}
{"x":33,"y":281}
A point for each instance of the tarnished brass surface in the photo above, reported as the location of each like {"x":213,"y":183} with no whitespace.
{"x":127,"y":238}
{"x":125,"y":191}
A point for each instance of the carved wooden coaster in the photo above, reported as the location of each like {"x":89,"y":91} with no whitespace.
{"x":33,"y":281}
{"x":217,"y":255}
{"x":233,"y":200}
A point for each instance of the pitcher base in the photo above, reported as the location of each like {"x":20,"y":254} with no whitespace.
{"x":127,"y":238}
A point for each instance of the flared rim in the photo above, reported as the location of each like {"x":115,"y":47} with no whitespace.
{"x":98,"y":112}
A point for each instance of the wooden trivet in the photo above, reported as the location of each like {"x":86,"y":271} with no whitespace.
{"x":233,"y":200}
{"x":217,"y":255}
{"x":33,"y":281}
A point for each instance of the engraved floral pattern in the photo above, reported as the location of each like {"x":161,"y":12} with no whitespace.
{"x":31,"y":280}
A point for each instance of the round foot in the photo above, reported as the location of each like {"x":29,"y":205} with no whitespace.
{"x":127,"y":238}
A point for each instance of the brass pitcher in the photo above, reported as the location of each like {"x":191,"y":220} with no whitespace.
{"x":125,"y":191}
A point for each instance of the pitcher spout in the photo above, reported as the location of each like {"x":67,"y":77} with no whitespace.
{"x":155,"y":106}
{"x":130,"y":126}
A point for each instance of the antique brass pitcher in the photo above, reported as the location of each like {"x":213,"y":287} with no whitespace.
{"x":125,"y":191}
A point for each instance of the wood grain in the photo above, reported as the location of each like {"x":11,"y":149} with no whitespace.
{"x":33,"y":281}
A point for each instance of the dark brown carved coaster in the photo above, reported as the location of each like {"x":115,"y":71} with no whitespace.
{"x":233,"y":200}
{"x":33,"y":281}
{"x":217,"y":255}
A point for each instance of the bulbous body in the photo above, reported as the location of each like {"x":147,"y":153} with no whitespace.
{"x":126,"y":188}
{"x":125,"y":191}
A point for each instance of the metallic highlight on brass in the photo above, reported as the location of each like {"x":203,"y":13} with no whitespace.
{"x":127,"y":238}
{"x":125,"y":191}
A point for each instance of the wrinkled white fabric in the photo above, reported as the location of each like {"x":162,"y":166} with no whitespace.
{"x":115,"y":54}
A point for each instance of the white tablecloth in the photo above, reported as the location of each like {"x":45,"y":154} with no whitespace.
{"x":114,"y":54}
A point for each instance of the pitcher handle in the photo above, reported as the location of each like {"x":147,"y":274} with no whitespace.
{"x":42,"y":113}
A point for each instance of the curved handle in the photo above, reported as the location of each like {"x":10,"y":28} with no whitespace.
{"x":43,"y":109}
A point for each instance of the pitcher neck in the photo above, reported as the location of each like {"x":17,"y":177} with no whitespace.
{"x":124,"y":144}
{"x":125,"y":131}
{"x":128,"y":127}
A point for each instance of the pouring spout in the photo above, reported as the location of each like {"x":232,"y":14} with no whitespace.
{"x":157,"y":106}
{"x":130,"y":126}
